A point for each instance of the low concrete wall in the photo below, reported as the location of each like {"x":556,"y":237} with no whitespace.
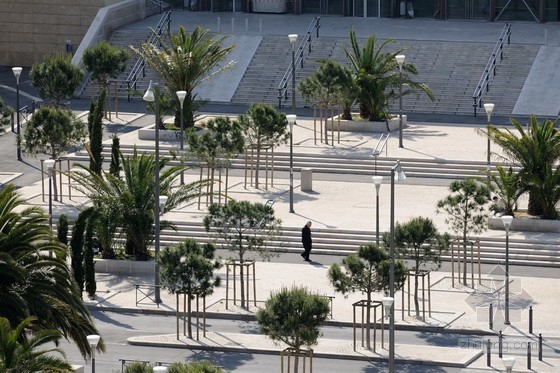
{"x":527,"y":225}
{"x":149,"y":133}
{"x":124,"y":267}
{"x":108,"y":19}
{"x":365,"y":126}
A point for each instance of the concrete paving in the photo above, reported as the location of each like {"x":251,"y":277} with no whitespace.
{"x":350,"y":204}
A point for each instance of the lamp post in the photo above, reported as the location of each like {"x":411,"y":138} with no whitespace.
{"x":151,"y":95}
{"x":509,"y":362}
{"x":507,"y":219}
{"x":181,"y":96}
{"x":17,"y":73}
{"x":293,"y":40}
{"x":396,"y":174}
{"x":400,"y":62}
{"x":291,"y":120}
{"x":377,"y":182}
{"x":488,"y":108}
{"x":93,"y":341}
{"x":49,"y":163}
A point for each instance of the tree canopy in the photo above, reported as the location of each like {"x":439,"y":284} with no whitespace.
{"x":56,"y":77}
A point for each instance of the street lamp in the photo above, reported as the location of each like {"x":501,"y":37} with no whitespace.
{"x":509,"y":362}
{"x":151,"y":95}
{"x":291,"y":120}
{"x":49,"y":163}
{"x":17,"y":73}
{"x":387,"y":305}
{"x":507,"y":219}
{"x":181,"y":96}
{"x":488,"y":108}
{"x":396,"y":174}
{"x":400,"y":62}
{"x":293,"y":40}
{"x":93,"y":341}
{"x":377,"y":182}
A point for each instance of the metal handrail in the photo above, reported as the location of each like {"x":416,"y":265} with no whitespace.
{"x":140,"y":64}
{"x":381,"y":144}
{"x":306,"y":41}
{"x":490,"y":69}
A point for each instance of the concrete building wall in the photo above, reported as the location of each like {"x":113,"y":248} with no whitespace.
{"x":30,"y":29}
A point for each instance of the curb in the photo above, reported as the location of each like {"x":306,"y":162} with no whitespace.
{"x":344,"y":324}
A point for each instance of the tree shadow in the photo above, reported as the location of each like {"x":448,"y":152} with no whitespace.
{"x":230,"y":361}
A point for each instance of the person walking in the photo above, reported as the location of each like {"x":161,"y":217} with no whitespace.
{"x":306,"y":240}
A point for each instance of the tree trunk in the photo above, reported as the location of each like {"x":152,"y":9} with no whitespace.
{"x":416,"y":304}
{"x":189,"y":316}
{"x":368,"y":324}
{"x":54,"y":186}
{"x":534,"y":207}
{"x":212,"y":173}
{"x":257,"y":164}
{"x":242,"y":279}
{"x":296,"y":358}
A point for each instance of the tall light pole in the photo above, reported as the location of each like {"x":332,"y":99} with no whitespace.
{"x":181,"y":96}
{"x":377,"y":182}
{"x":507,"y":219}
{"x":93,"y":341}
{"x":291,"y":120}
{"x":151,"y":95}
{"x":488,"y":108}
{"x":293,"y":40}
{"x":396,"y":174}
{"x":17,"y":73}
{"x":49,"y":163}
{"x":400,"y":62}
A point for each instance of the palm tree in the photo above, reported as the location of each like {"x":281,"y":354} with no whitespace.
{"x":532,"y":150}
{"x":18,"y":350}
{"x":189,"y":60}
{"x":377,"y":78}
{"x":131,"y":198}
{"x":34,"y":277}
{"x":509,"y":186}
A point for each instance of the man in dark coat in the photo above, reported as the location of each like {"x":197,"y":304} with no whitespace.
{"x":306,"y":240}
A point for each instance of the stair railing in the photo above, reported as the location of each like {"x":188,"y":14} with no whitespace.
{"x":381,"y":144}
{"x":140,"y":64}
{"x":490,"y":70}
{"x":305,"y":42}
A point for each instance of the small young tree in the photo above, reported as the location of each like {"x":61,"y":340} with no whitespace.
{"x":420,"y":241}
{"x":95,"y":129}
{"x":77,"y":248}
{"x":115,"y":165}
{"x":62,"y":229}
{"x":293,"y":316}
{"x":189,"y":268}
{"x":245,"y":227}
{"x":366,"y":271}
{"x":465,"y":207}
{"x":105,"y":61}
{"x":52,"y":131}
{"x":263,"y":126}
{"x":56,"y":77}
{"x":216,"y":147}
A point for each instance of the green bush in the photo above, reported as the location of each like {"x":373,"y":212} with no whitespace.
{"x":194,"y":367}
{"x":138,"y":367}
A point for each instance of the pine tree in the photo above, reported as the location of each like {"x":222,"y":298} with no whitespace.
{"x":115,"y":166}
{"x":89,"y":267}
{"x":62,"y":229}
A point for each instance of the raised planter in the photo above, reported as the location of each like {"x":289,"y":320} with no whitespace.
{"x":148,"y":133}
{"x":365,"y":126}
{"x":124,"y":267}
{"x":526,"y":225}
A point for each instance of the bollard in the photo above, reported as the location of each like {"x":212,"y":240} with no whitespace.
{"x":260,"y":27}
{"x":219,"y":24}
{"x":540,"y":346}
{"x":488,"y":353}
{"x":531,"y":320}
{"x":529,"y":355}
{"x":246,"y":26}
{"x":500,"y":344}
{"x":232,"y":25}
{"x":491,"y":316}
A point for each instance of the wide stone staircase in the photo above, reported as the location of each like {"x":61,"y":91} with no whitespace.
{"x":451,"y":70}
